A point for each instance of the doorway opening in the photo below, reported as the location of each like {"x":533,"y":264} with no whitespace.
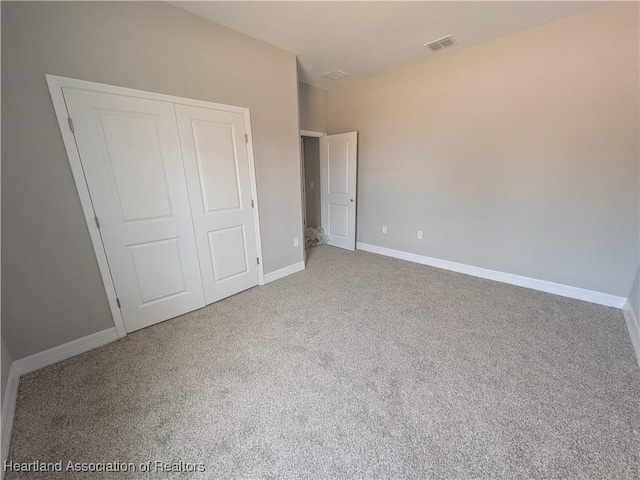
{"x":311,"y":207}
{"x":328,"y":179}
{"x":311,"y":182}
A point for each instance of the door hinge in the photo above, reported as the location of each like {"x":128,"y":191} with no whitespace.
{"x":71,"y":124}
{"x":97,"y":222}
{"x":118,"y":302}
{"x":252,"y":204}
{"x":258,"y":260}
{"x":246,"y":138}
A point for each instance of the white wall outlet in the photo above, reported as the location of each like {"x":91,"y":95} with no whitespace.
{"x":419,"y":234}
{"x":311,"y":185}
{"x":384,"y":229}
{"x":296,"y":242}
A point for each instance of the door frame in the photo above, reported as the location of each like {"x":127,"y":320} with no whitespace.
{"x":56,"y":84}
{"x":303,"y":185}
{"x":311,"y":133}
{"x":304,"y":188}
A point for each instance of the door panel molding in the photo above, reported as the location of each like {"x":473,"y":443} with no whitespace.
{"x":144,"y":211}
{"x":217,"y":171}
{"x":56,"y":85}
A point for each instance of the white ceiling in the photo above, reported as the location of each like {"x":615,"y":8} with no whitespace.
{"x":367,"y":38}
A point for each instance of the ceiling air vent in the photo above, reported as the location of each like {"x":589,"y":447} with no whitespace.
{"x":335,"y":75}
{"x":441,"y":43}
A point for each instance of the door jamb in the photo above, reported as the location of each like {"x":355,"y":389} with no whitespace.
{"x":314,"y":134}
{"x":304,"y":186}
{"x":56,"y":84}
{"x":311,"y":133}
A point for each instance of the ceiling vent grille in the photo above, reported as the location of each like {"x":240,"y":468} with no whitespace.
{"x":335,"y":75}
{"x":441,"y":43}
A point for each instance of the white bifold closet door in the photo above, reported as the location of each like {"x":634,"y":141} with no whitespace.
{"x":174,"y":241}
{"x":216,"y":161}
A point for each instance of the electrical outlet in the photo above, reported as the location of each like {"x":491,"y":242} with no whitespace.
{"x":384,"y":229}
{"x":419,"y":234}
{"x":296,"y":242}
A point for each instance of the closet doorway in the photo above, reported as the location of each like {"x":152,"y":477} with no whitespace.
{"x":168,"y":189}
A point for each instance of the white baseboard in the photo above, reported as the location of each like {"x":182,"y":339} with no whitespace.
{"x":283,"y":272}
{"x":633,"y":325}
{"x":534,"y":284}
{"x":36,"y":362}
{"x":62,"y":352}
{"x":8,"y":412}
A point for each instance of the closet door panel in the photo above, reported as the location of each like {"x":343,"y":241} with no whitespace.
{"x":216,"y":160}
{"x":132,"y":161}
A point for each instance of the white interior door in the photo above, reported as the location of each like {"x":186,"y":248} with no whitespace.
{"x":338,"y":170}
{"x":130,"y":153}
{"x":216,"y":159}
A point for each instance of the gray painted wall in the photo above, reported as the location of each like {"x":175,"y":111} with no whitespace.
{"x":313,"y":108}
{"x":52,"y":292}
{"x":312,"y":176}
{"x":634,"y":295}
{"x":6,"y":367}
{"x":518,"y":155}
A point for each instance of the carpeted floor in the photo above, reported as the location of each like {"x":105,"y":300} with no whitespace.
{"x":360,"y":367}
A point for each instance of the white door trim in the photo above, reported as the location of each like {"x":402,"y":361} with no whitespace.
{"x":56,"y":84}
{"x":311,"y":133}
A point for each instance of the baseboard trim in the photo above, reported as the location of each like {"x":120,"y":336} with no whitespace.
{"x":62,"y":352}
{"x":283,"y":272}
{"x":8,"y":412}
{"x":535,"y":284}
{"x":633,"y":325}
{"x":36,"y":362}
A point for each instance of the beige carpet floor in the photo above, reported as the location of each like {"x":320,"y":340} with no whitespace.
{"x":360,"y":367}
